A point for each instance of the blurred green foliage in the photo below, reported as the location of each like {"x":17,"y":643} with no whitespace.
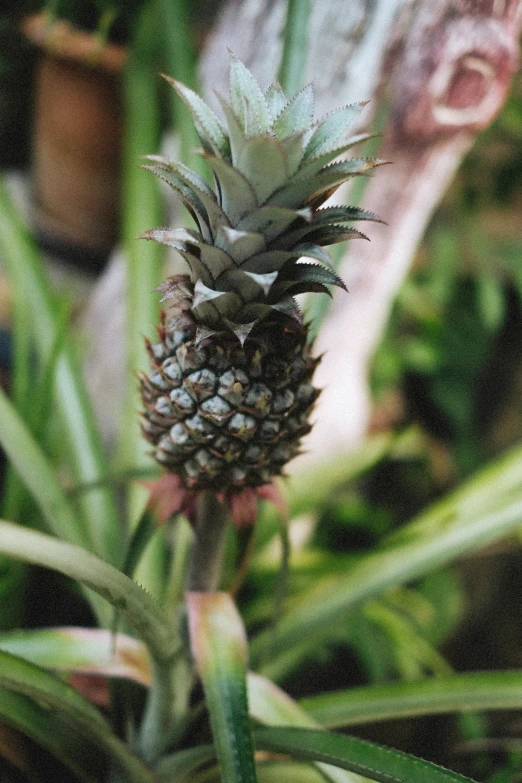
{"x":451,"y":341}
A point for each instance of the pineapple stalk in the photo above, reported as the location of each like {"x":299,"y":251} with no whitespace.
{"x":209,"y":544}
{"x":230,"y":392}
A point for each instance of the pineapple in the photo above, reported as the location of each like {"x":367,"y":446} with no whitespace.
{"x":230,"y":391}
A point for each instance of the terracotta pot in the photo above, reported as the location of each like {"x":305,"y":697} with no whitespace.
{"x":76,"y":138}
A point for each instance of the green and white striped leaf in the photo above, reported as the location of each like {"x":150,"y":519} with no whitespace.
{"x":263,"y":163}
{"x":295,"y":272}
{"x":315,"y":164}
{"x":271,"y":706}
{"x":237,"y":197}
{"x":239,"y":245}
{"x":342,"y":214}
{"x":218,"y":644}
{"x":248,"y":102}
{"x":68,"y":705}
{"x":307,"y":191}
{"x":209,"y":128}
{"x":276,"y":100}
{"x":175,"y":173}
{"x":81,"y":650}
{"x":332,"y":131}
{"x":364,"y":758}
{"x":272,"y":221}
{"x":476,"y":515}
{"x":134,"y":604}
{"x":436,"y":695}
{"x":41,"y":725}
{"x":190,"y":200}
{"x":38,"y":475}
{"x":28,"y":275}
{"x":297,"y":116}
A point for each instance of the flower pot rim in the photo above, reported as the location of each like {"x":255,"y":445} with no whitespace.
{"x":61,"y":39}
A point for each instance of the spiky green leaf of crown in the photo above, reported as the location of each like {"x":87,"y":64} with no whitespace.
{"x":274,"y":168}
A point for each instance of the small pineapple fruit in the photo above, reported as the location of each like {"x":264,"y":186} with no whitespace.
{"x":230,"y":395}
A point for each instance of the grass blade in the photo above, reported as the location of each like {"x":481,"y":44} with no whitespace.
{"x":138,"y":608}
{"x":307,"y":489}
{"x":14,"y":491}
{"x":295,"y":46}
{"x":273,"y":707}
{"x":180,"y":56}
{"x":38,"y":475}
{"x":459,"y":693}
{"x":81,"y":650}
{"x":377,"y":763}
{"x":487,"y":508}
{"x":51,"y":733}
{"x":67,"y":704}
{"x":28,"y":277}
{"x":141,"y":210}
{"x":182,"y":765}
{"x":218,"y":644}
{"x":40,"y":479}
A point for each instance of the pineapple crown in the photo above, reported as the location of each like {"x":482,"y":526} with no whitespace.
{"x":273,"y":167}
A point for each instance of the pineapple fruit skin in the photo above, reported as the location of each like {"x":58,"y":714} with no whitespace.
{"x":229,"y":394}
{"x":226,"y":417}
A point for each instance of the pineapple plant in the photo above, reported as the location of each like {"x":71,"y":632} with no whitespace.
{"x":229,"y":395}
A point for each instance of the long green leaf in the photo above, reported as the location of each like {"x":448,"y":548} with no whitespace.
{"x":28,"y":276}
{"x":307,"y":489}
{"x":331,"y":599}
{"x":295,"y":46}
{"x":38,"y":414}
{"x":138,"y":608}
{"x":38,"y":475}
{"x":141,"y":210}
{"x":40,"y":479}
{"x":270,"y":705}
{"x":289,"y":772}
{"x":81,"y":650}
{"x":21,"y":377}
{"x":66,"y":703}
{"x":181,"y":60}
{"x":218,"y":644}
{"x":377,"y":763}
{"x":142,"y":207}
{"x":182,"y":765}
{"x":131,"y":601}
{"x":53,"y":734}
{"x":459,"y":693}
